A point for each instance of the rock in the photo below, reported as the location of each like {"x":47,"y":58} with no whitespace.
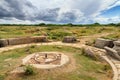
{"x":22,"y":40}
{"x":69,"y":39}
{"x":89,"y":52}
{"x":112,"y":52}
{"x":117,"y":46}
{"x":115,"y":51}
{"x":101,"y":43}
{"x":39,"y":39}
{"x":17,"y":41}
{"x":3,"y":42}
{"x":18,"y":70}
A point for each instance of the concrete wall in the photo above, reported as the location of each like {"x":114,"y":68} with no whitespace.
{"x":3,"y":42}
{"x":69,"y":39}
{"x":39,"y":39}
{"x":101,"y":43}
{"x":16,"y":41}
{"x":117,"y":46}
{"x":22,"y":40}
{"x":112,"y":52}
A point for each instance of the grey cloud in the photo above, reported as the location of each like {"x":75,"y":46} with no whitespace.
{"x":48,"y":14}
{"x":68,"y":17}
{"x":24,"y":10}
{"x":74,"y":11}
{"x":14,"y":8}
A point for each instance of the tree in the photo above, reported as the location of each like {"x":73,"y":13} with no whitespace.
{"x":70,"y":24}
{"x":42,"y":24}
{"x":96,"y":24}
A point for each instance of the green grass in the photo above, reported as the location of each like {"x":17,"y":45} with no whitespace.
{"x":86,"y":68}
{"x":55,"y":33}
{"x":114,"y":36}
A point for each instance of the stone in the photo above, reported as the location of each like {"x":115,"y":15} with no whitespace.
{"x":69,"y":39}
{"x":101,"y":43}
{"x":112,"y":52}
{"x":17,"y":41}
{"x":3,"y":42}
{"x":22,"y":40}
{"x":117,"y":46}
{"x":18,"y":70}
{"x":26,"y":40}
{"x":115,"y":51}
{"x":37,"y":39}
{"x":89,"y":52}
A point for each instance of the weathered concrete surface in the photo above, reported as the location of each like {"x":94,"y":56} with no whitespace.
{"x":91,"y":53}
{"x":117,"y":46}
{"x":69,"y":39}
{"x":37,"y":39}
{"x":112,"y":52}
{"x":18,"y":70}
{"x":3,"y":42}
{"x":17,"y":41}
{"x":115,"y":51}
{"x":64,"y":60}
{"x":22,"y":40}
{"x":101,"y":43}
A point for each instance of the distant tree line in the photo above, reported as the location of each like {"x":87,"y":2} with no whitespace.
{"x":69,"y":24}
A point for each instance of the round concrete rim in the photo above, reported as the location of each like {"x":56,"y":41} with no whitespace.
{"x":64,"y":60}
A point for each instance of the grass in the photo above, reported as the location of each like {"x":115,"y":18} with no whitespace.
{"x":113,"y":36}
{"x":86,"y":68}
{"x":55,"y":33}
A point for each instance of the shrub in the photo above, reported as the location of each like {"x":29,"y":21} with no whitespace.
{"x":29,"y":70}
{"x":106,"y":67}
{"x":32,"y":46}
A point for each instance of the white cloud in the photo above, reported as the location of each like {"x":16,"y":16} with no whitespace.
{"x":89,"y":7}
{"x":104,"y":20}
{"x":58,"y":11}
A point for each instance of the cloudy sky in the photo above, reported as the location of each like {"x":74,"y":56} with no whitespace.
{"x":59,"y":11}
